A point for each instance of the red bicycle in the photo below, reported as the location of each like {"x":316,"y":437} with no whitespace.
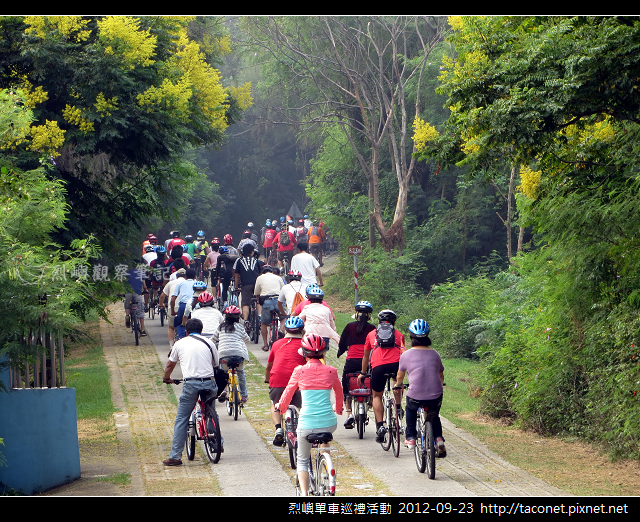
{"x":204,"y":427}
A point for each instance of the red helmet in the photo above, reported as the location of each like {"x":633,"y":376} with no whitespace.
{"x":228,"y":240}
{"x":215,"y":241}
{"x":153,"y":240}
{"x":295,"y":276}
{"x":232,"y":310}
{"x":205,"y":298}
{"x":313,"y":346}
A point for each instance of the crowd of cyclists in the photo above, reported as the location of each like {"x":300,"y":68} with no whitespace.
{"x":279,"y":267}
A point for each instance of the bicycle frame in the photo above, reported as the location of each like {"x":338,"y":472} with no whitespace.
{"x":233,"y":400}
{"x":322,"y":473}
{"x":290,"y":437}
{"x":360,"y":401}
{"x":392,"y":437}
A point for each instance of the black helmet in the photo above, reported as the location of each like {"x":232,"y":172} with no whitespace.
{"x":388,"y":316}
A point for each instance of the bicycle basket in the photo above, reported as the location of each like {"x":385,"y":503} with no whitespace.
{"x":359,"y":390}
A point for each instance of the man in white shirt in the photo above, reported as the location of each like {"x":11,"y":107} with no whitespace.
{"x":166,"y":294}
{"x":287,"y":298}
{"x":198,"y":357}
{"x":307,"y":265}
{"x":267,"y":290}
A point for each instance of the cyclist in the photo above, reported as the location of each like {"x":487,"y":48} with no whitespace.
{"x":423,"y":366}
{"x":224,"y":267}
{"x":157,"y":272}
{"x":291,"y":294}
{"x":298,"y":309}
{"x":301,"y":233}
{"x":211,"y":263}
{"x":269,"y":235}
{"x":231,"y":339}
{"x":246,"y":240}
{"x":267,"y":289}
{"x":175,"y":241}
{"x":308,"y":265}
{"x":283,"y":359}
{"x":209,"y":315}
{"x":135,"y":278}
{"x":284,"y":242}
{"x":146,"y":242}
{"x":182,"y":294}
{"x":198,"y":358}
{"x":149,"y":256}
{"x":253,"y":235}
{"x":246,"y":270}
{"x":352,"y":341}
{"x":167,"y":292}
{"x":202,"y":250}
{"x":316,"y":240}
{"x":383,"y":360}
{"x":319,"y":319}
{"x":190,"y":247}
{"x":315,"y":381}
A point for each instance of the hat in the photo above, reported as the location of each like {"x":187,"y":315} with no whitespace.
{"x":181,"y":272}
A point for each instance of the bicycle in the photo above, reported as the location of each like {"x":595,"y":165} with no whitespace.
{"x":133,"y":314}
{"x":322,"y":474}
{"x":232,"y":296}
{"x":274,"y":328}
{"x":163,"y":313}
{"x":153,"y":304}
{"x":253,"y":323}
{"x":204,"y":427}
{"x":233,"y":399}
{"x":290,"y":437}
{"x":360,"y":401}
{"x":391,"y":418}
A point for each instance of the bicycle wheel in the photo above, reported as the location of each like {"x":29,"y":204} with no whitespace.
{"x":256,"y":326}
{"x":431,"y":451}
{"x":213,"y":440}
{"x":388,"y":437}
{"x":326,"y":478}
{"x":292,"y":442}
{"x":361,"y":419}
{"x":162,"y":314}
{"x":395,"y":420}
{"x":229,"y":400}
{"x":420,"y":449}
{"x":191,"y":437}
{"x":136,"y":328}
{"x":236,"y":402}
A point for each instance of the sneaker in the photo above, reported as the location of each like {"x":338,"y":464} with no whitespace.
{"x":349,"y":423}
{"x":380,"y":433}
{"x":410,"y":443}
{"x":172,"y":462}
{"x":442,"y":451}
{"x":143,"y":333}
{"x":278,"y":439}
{"x":223,"y":396}
{"x":127,"y":321}
{"x":244,"y":399}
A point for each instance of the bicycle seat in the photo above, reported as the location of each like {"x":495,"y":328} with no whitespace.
{"x":390,"y":375}
{"x":320,"y":438}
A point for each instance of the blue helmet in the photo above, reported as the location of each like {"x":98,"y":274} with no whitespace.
{"x":419,"y":327}
{"x":200,"y":233}
{"x":310,"y":287}
{"x":223,"y":250}
{"x":294,"y":323}
{"x":199,"y":285}
{"x":315,"y":292}
{"x":268,"y":223}
{"x":160,"y":250}
{"x":281,"y":219}
{"x":364,"y":306}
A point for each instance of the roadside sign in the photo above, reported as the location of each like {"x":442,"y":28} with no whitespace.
{"x":354,"y":250}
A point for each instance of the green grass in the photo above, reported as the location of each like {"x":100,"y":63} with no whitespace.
{"x":122,"y":479}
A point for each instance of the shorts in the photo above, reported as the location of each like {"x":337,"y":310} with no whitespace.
{"x":246,"y":293}
{"x":285,"y":253}
{"x":315,"y":248}
{"x":139,"y":301}
{"x":269,"y":305}
{"x":378,"y":379}
{"x":276,"y":393}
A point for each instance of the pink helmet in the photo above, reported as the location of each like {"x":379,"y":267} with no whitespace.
{"x":205,"y":298}
{"x":313,"y":346}
{"x":232,"y":310}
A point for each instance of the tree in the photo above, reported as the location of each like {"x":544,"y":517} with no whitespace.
{"x":363,"y":74}
{"x":120,"y":99}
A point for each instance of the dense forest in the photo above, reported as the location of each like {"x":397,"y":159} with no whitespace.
{"x":486,"y":164}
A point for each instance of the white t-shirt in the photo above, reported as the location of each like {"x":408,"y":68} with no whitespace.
{"x":149,"y":256}
{"x":168,"y":288}
{"x":194,"y":357}
{"x":211,"y":318}
{"x":306,"y":264}
{"x":268,"y":284}
{"x":288,"y":293}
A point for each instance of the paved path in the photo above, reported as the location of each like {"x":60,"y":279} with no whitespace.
{"x":248,"y":466}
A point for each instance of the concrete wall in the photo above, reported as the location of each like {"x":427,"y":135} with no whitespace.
{"x":40,"y":432}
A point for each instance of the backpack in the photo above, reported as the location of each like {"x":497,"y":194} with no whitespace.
{"x":284,"y":238}
{"x":297,"y":299}
{"x":385,"y":335}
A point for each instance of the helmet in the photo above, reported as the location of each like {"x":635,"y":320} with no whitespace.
{"x":160,"y":250}
{"x":247,"y":233}
{"x":306,"y":216}
{"x":309,"y":287}
{"x":223,"y":250}
{"x":199,"y":285}
{"x":301,"y":222}
{"x":153,"y":240}
{"x":268,"y":223}
{"x":175,"y":233}
{"x":149,"y":236}
{"x":266,"y":268}
{"x":388,"y":316}
{"x":295,"y":276}
{"x":294,"y":323}
{"x":200,"y":234}
{"x":228,"y":240}
{"x":313,"y":346}
{"x":364,"y":306}
{"x":315,"y":292}
{"x":290,"y":222}
{"x":274,"y":223}
{"x":215,"y":241}
{"x":419,"y":327}
{"x":149,"y":248}
{"x":188,"y":238}
{"x":232,"y":310}
{"x":205,"y":298}
{"x":282,"y":220}
{"x":250,"y":224}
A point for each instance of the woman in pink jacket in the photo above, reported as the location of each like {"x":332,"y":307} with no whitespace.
{"x":315,"y":381}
